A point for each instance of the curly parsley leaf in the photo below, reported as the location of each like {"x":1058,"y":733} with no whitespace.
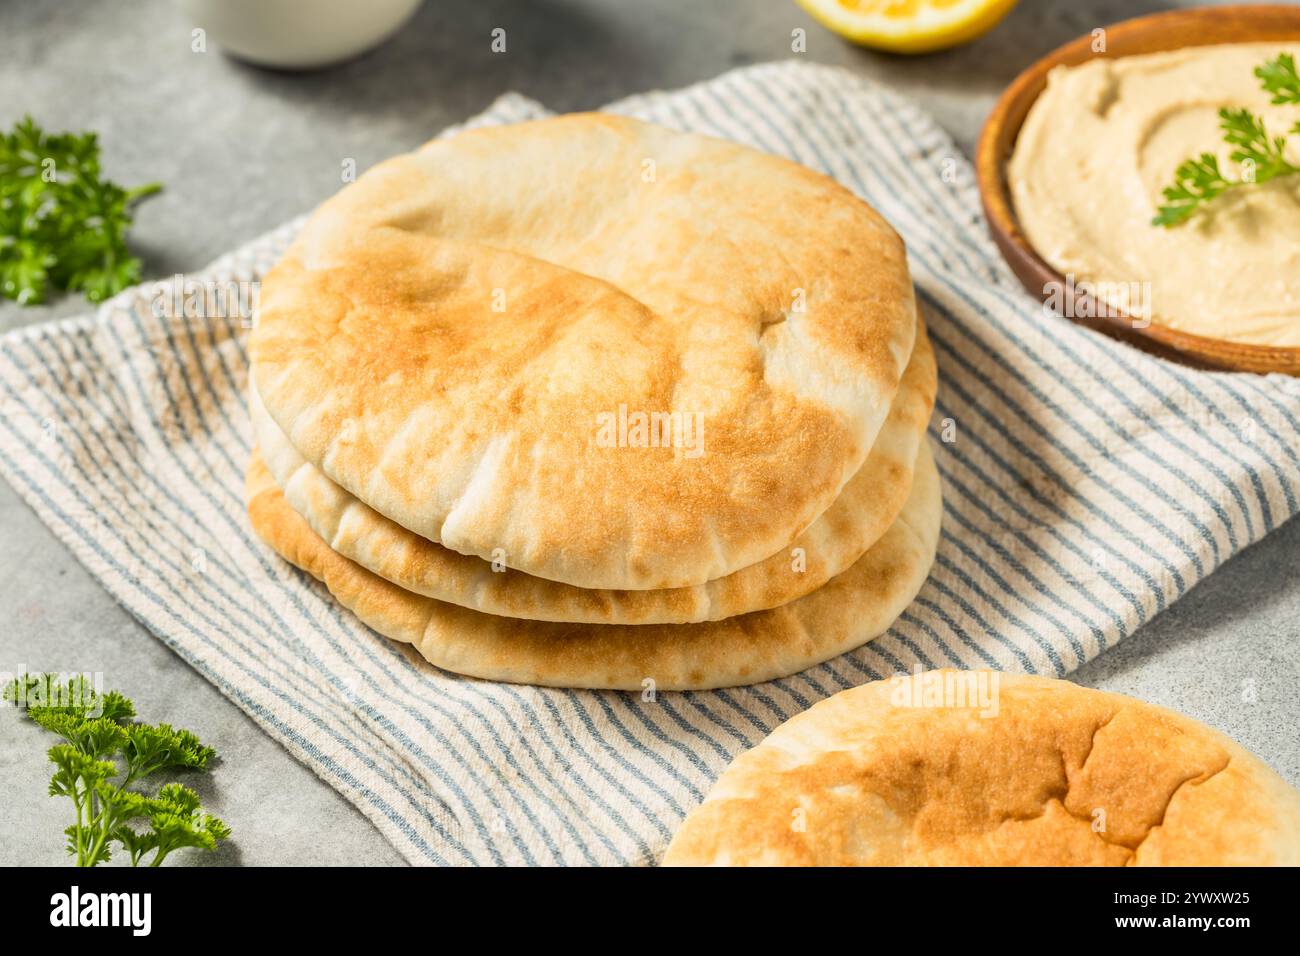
{"x":176,"y":820}
{"x":1196,"y":181}
{"x":149,"y":749}
{"x":1261,"y":157}
{"x":1280,"y":78}
{"x":62,"y":225}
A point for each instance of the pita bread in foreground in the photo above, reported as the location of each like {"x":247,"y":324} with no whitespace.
{"x":844,"y":613}
{"x":865,"y":508}
{"x":452,"y":338}
{"x":930,"y":770}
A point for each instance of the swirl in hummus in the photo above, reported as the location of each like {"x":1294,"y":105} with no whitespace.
{"x":1086,"y":175}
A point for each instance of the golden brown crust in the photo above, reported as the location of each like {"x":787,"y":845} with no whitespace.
{"x":865,"y":508}
{"x":1059,"y":775}
{"x":847,"y":611}
{"x":380,"y":351}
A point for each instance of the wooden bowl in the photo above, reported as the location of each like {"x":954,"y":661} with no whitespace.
{"x":1151,"y":34}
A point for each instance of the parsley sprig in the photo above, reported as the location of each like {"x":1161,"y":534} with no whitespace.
{"x":1261,"y":156}
{"x":104,"y":754}
{"x":62,"y":225}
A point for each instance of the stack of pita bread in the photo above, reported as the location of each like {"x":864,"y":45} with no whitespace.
{"x":587,"y":402}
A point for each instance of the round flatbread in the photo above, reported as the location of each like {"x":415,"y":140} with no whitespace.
{"x":977,"y":768}
{"x":844,"y":613}
{"x":865,"y":508}
{"x":617,"y":355}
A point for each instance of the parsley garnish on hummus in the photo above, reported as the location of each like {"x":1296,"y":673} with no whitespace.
{"x":1260,"y":156}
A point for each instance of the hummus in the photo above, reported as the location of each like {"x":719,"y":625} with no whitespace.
{"x":1100,"y":144}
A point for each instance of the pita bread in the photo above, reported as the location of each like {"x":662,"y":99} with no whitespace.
{"x":456,"y":338}
{"x":866,"y":507}
{"x":846,"y":612}
{"x":1060,"y":775}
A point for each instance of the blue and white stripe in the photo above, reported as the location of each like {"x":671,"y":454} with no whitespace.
{"x":1089,"y":486}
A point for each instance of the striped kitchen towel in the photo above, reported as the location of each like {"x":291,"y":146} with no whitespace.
{"x":1087,"y":487}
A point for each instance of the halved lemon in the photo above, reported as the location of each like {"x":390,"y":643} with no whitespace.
{"x":909,"y":26}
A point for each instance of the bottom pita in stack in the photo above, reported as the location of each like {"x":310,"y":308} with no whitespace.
{"x":850,"y":609}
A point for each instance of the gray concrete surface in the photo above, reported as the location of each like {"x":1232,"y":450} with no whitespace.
{"x":241,"y":150}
